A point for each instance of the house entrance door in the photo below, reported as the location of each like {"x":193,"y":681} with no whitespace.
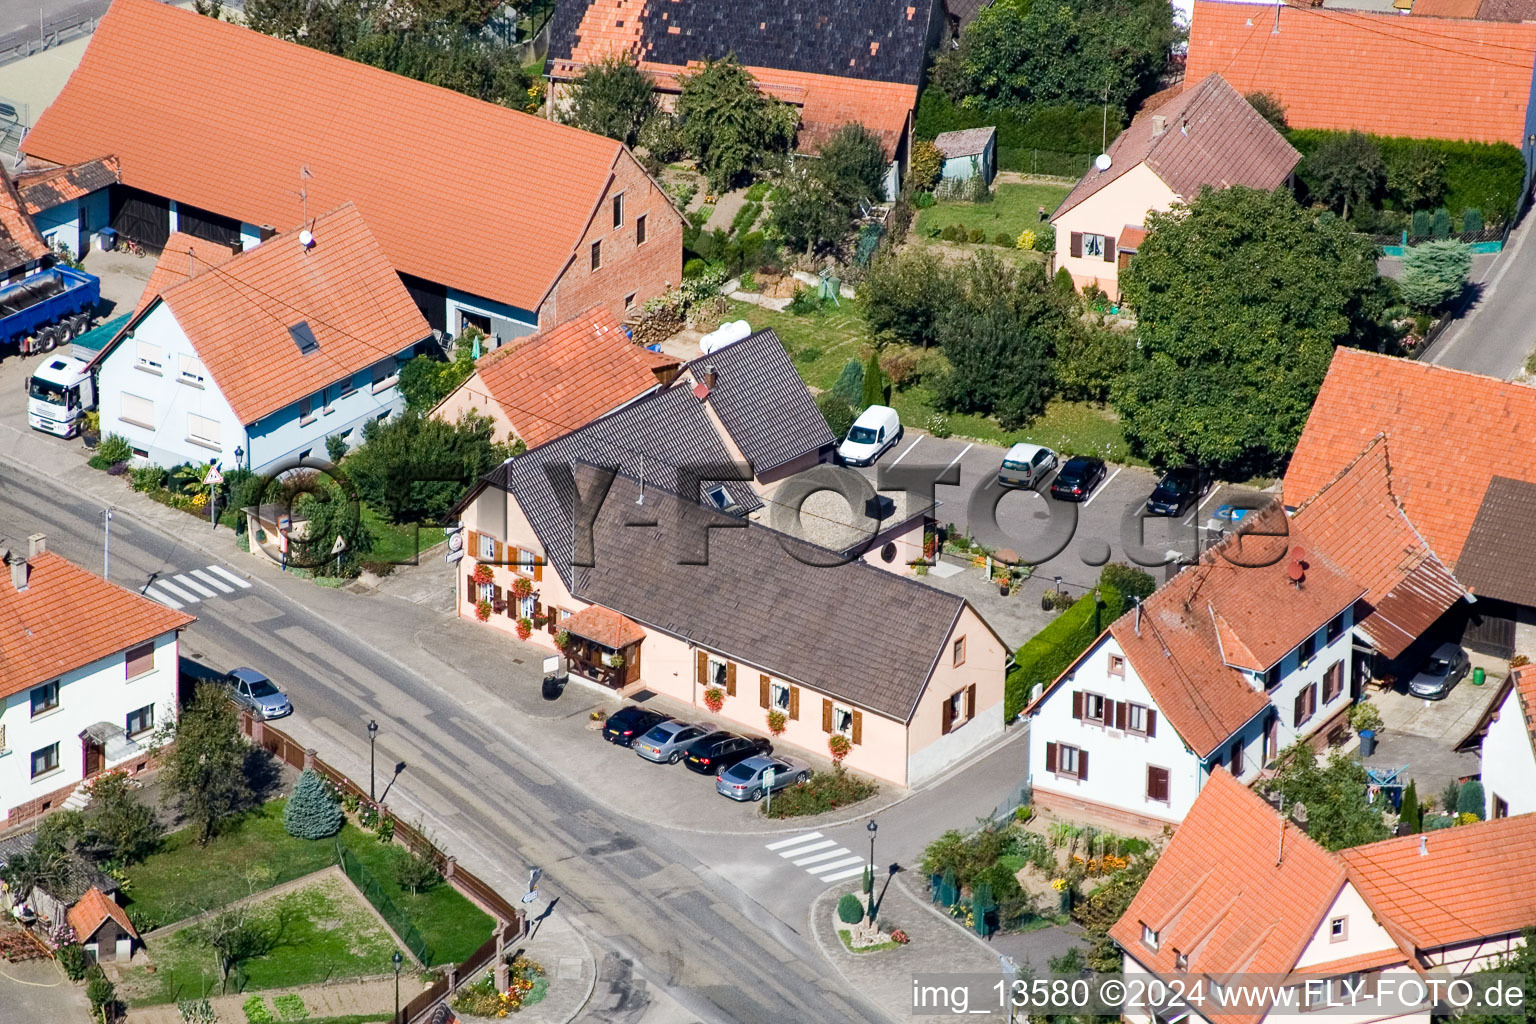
{"x":94,"y":759}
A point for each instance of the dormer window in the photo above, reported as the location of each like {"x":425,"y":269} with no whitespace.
{"x":1148,"y":936}
{"x":1181,"y":960}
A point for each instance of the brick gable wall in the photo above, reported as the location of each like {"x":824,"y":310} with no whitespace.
{"x":627,"y":268}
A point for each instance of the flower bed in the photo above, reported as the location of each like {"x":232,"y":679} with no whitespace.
{"x":527,"y":985}
{"x":826,"y":791}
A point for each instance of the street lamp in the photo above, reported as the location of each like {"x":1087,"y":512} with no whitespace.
{"x":873,"y":828}
{"x":397,"y":985}
{"x":373,"y":732}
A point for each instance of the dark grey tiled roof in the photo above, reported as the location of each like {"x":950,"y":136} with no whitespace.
{"x":854,"y":632}
{"x":762,"y":401}
{"x":825,"y":37}
{"x":649,"y":439}
{"x":1498,"y":559}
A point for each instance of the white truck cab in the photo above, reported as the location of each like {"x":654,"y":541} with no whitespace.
{"x":58,"y":395}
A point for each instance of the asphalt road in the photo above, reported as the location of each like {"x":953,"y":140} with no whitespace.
{"x":675,"y":940}
{"x":1497,"y":333}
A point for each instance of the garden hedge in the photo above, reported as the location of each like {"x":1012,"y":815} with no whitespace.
{"x":1066,"y":136}
{"x":1052,"y":650}
{"x":1478,"y":175}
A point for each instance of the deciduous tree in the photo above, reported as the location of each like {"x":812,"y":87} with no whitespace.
{"x":728,"y":123}
{"x":118,"y":825}
{"x":1334,"y":795}
{"x":204,"y":769}
{"x":413,"y":468}
{"x":612,"y":97}
{"x":1239,"y":302}
{"x":1346,"y":171}
{"x":852,"y":164}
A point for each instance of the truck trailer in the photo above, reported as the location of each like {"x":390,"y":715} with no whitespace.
{"x":41,"y":312}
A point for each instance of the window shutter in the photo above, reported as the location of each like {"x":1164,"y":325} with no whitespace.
{"x":1157,"y":783}
{"x":702,"y":674}
{"x":730,"y":679}
{"x":1109,"y":249}
{"x":139,"y":660}
{"x":496,"y":599}
{"x":947,"y":719}
{"x":794,"y":703}
{"x":858,"y":727}
{"x":1151,"y":722}
{"x":970,"y":702}
{"x":472,"y":545}
{"x":1082,"y":765}
{"x":1312,"y":698}
{"x":1077,"y":704}
{"x":1077,"y":243}
{"x":1120,"y":713}
{"x":538,"y":609}
{"x":826,"y":715}
{"x":538,"y":567}
{"x":499,"y":552}
{"x":763,"y":690}
{"x":1050,"y":757}
{"x":469,"y":589}
{"x":1299,"y":712}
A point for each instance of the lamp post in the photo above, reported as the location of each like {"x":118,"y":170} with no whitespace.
{"x":397,"y":985}
{"x":373,"y":732}
{"x":873,"y":828}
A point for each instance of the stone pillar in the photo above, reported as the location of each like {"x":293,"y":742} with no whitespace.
{"x":450,"y":864}
{"x":453,"y":978}
{"x":503,"y":972}
{"x":258,"y":731}
{"x":309,"y":758}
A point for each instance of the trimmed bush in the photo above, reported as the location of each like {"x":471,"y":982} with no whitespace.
{"x":838,"y":413}
{"x":1052,"y":650}
{"x":1472,"y":220}
{"x":850,"y":382}
{"x":311,"y":813}
{"x":1469,"y":799}
{"x":1068,"y":135}
{"x":849,"y":909}
{"x":1130,"y":581}
{"x":114,"y":448}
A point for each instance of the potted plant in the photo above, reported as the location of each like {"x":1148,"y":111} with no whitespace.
{"x":596,"y":720}
{"x":1365,"y":719}
{"x":524,"y":628}
{"x":482,"y":573}
{"x":563,"y":639}
{"x":839,"y":747}
{"x":714,"y":699}
{"x":483,"y":611}
{"x":616,"y":660}
{"x":90,"y":429}
{"x":522,"y":587}
{"x":777,"y":721}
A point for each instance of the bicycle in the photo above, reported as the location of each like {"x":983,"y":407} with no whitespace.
{"x":129,"y":245}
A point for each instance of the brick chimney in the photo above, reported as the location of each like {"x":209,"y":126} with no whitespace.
{"x":19,"y":569}
{"x":1159,"y":125}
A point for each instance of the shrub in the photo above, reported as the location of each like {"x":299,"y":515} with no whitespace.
{"x":849,"y":909}
{"x":1435,"y":273}
{"x":1449,"y":796}
{"x":837,"y":412}
{"x":899,"y":363}
{"x":1025,"y":241}
{"x":102,"y":995}
{"x":923,"y":200}
{"x":1045,"y":242}
{"x":927,"y":163}
{"x":694,"y":268}
{"x":1442,"y":228}
{"x":73,"y":960}
{"x":386,"y":828}
{"x":1002,"y":239}
{"x":804,"y":302}
{"x":256,"y":1011}
{"x":1051,"y":651}
{"x":1423,"y":224}
{"x":1365,"y":717}
{"x":1470,"y":799}
{"x":1472,"y":220}
{"x":850,"y":382}
{"x":1128,"y":580}
{"x":416,"y":873}
{"x":826,"y":791}
{"x":146,"y":478}
{"x":114,"y":448}
{"x":976,"y":236}
{"x":938,"y":425}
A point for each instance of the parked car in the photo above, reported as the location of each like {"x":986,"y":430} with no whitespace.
{"x":667,"y":741}
{"x":876,"y":429}
{"x":744,"y":780}
{"x":1078,"y":477}
{"x":1026,"y":465}
{"x":712,"y":755}
{"x":255,"y":691}
{"x":1175,"y":492}
{"x":628,"y":722}
{"x":1444,"y":669}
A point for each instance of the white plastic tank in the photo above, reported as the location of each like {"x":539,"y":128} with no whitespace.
{"x":724,"y":335}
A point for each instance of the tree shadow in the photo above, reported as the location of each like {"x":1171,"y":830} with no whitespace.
{"x":263,"y":774}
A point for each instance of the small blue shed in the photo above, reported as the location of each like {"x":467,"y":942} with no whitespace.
{"x":968,"y":152}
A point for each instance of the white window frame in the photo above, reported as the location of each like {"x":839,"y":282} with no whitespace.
{"x":487,"y":548}
{"x":1093,"y":245}
{"x":3,"y":748}
{"x":1338,"y":928}
{"x":842,"y":719}
{"x":193,"y":372}
{"x":1148,"y":936}
{"x":715,"y":671}
{"x":525,"y":561}
{"x":1117,"y":665}
{"x":1098,"y":719}
{"x":1132,"y":712}
{"x":150,"y":358}
{"x":128,"y":721}
{"x":487,"y":592}
{"x":525,"y":607}
{"x":202,"y":439}
{"x":778,"y":695}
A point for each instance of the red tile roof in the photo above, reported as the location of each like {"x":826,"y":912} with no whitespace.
{"x":67,"y":618}
{"x":1238,"y":890}
{"x":184,"y":255}
{"x":1210,"y":135}
{"x":1131,"y":237}
{"x":93,"y":909}
{"x":568,"y":376}
{"x":1372,"y":961}
{"x":1359,"y":522}
{"x":1453,"y":885}
{"x":1232,"y":611}
{"x":1448,"y":432}
{"x":237,"y":314}
{"x":44,"y":188}
{"x":1523,"y":681}
{"x":1379,"y":73}
{"x":423,"y":164}
{"x":20,"y":241}
{"x":604,"y":627}
{"x":1446,"y":8}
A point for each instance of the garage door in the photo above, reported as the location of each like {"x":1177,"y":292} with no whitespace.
{"x":143,"y":217}
{"x":209,"y":226}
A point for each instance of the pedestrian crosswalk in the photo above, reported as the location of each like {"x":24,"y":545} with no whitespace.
{"x":817,"y":855}
{"x":197,"y":585}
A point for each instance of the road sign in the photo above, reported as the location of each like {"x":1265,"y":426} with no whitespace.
{"x":339,"y":546}
{"x":213,"y":477}
{"x":455,"y":545}
{"x":534,"y":874}
{"x":530,"y":895}
{"x":768,"y":780}
{"x":284,"y":523}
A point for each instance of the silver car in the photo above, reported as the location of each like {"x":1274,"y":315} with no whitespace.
{"x":669,"y":741}
{"x":744,"y":780}
{"x":1444,"y":669}
{"x":255,"y":691}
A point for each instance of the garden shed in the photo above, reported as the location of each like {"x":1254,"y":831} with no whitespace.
{"x":101,"y":926}
{"x":969,"y":152}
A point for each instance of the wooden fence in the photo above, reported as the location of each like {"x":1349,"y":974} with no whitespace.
{"x":509,"y":918}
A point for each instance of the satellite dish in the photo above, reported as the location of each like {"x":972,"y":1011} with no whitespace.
{"x":306,"y":238}
{"x":1102,"y":161}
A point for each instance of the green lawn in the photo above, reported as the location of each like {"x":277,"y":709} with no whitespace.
{"x":820,"y":343}
{"x":397,"y":543}
{"x":1012,"y":209}
{"x":183,"y":879}
{"x":322,"y":931}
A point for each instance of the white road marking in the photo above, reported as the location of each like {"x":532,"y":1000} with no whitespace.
{"x":845,"y":873}
{"x":1214,"y":491}
{"x":819,"y":870}
{"x":1102,"y":487}
{"x":175,"y":591}
{"x":213,"y":580}
{"x":236,"y":580}
{"x":163,"y":599}
{"x":908,"y":450}
{"x":192,"y":584}
{"x":839,"y":852}
{"x":957,"y":458}
{"x":807,"y":848}
{"x":793,"y":841}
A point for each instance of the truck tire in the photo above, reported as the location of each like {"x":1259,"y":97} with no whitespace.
{"x":81,"y":322}
{"x":47,"y":339}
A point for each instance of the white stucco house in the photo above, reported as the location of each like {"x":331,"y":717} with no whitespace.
{"x":1243,"y":902}
{"x":1224,"y":666}
{"x":1509,"y":747}
{"x":1207,"y":135}
{"x":254,"y":360}
{"x":83,"y":686}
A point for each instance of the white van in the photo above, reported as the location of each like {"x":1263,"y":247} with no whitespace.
{"x":876,"y":429}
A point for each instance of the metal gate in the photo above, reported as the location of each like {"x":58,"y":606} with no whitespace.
{"x":1491,"y":628}
{"x":143,"y":217}
{"x":208,"y":226}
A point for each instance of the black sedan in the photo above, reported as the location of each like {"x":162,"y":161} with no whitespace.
{"x":628,"y":722}
{"x":714,"y":754}
{"x":1175,"y":492}
{"x":1077,"y":478}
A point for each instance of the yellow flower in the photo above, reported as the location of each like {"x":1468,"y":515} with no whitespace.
{"x":1059,"y":884}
